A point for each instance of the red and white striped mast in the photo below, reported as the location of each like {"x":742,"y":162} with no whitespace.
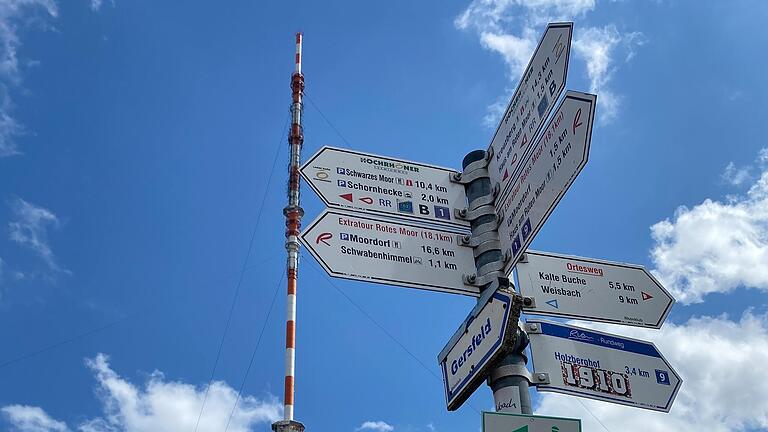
{"x":293,"y":213}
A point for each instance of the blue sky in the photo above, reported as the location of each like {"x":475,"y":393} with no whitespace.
{"x":138,"y":139}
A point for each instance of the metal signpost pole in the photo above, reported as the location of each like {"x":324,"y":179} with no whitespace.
{"x":509,"y":380}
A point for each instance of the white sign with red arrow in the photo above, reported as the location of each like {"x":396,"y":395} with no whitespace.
{"x":364,"y":182}
{"x":390,"y":252}
{"x":558,"y":156}
{"x":593,"y":290}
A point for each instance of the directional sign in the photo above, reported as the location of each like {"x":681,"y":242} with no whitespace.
{"x":602,"y":366}
{"x":547,"y":172}
{"x":540,"y":86}
{"x":368,"y":183}
{"x":466,"y":359}
{"x":590,"y":289}
{"x":390,"y":252}
{"x":503,"y":422}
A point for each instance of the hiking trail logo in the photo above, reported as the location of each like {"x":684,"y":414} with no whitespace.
{"x":580,"y":336}
{"x":324,"y":237}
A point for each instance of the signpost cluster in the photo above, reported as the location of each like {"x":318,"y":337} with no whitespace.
{"x":416,"y":225}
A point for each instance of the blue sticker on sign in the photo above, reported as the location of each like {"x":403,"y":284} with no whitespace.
{"x":442,"y":213}
{"x":526,"y":230}
{"x":516,"y":245}
{"x":342,"y":183}
{"x":405,"y":206}
{"x":543,"y":105}
{"x":340,"y":170}
{"x":662,"y":377}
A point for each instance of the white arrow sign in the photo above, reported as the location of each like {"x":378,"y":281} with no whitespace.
{"x":503,"y":422}
{"x":475,"y":345}
{"x":368,"y":183}
{"x":602,"y":366}
{"x":540,"y":86}
{"x":558,"y":156}
{"x":390,"y":252}
{"x":590,"y":289}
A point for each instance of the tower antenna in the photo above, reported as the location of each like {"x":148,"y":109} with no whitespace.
{"x":293,"y":213}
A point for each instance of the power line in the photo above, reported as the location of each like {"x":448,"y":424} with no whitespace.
{"x":71,"y":339}
{"x":253,"y":353}
{"x":240,"y":279}
{"x":593,"y":415}
{"x":373,"y":320}
{"x":314,"y":105}
{"x":381,"y":327}
{"x":66,"y":341}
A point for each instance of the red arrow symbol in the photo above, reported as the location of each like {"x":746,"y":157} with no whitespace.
{"x":347,"y":197}
{"x":506,"y":174}
{"x":367,"y":200}
{"x":577,"y":120}
{"x":645,"y":295}
{"x":324,"y":237}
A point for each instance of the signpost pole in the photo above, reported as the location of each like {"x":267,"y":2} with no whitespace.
{"x":508,"y":380}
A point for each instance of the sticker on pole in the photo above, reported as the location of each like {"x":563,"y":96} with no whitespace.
{"x":602,"y":366}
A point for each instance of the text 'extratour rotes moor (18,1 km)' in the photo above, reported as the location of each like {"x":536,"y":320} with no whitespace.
{"x":392,"y":252}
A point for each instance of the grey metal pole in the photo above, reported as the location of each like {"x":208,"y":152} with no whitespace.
{"x":510,"y":378}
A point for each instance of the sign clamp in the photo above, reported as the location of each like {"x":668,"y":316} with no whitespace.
{"x":489,"y":273}
{"x":537,"y":378}
{"x":472,"y":172}
{"x":473,"y":214}
{"x":476,"y":240}
{"x":511,"y":370}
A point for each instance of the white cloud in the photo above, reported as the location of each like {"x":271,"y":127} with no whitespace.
{"x":31,"y":419}
{"x":516,"y":50}
{"x":95,"y":5}
{"x":379,"y":426}
{"x":723,"y":384}
{"x":762,"y":156}
{"x":9,"y":126}
{"x":735,"y":176}
{"x":11,"y":13}
{"x":715,"y":246}
{"x":163,"y":405}
{"x":493,"y":14}
{"x":167,"y":405}
{"x":30,"y":229}
{"x":597,"y":46}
